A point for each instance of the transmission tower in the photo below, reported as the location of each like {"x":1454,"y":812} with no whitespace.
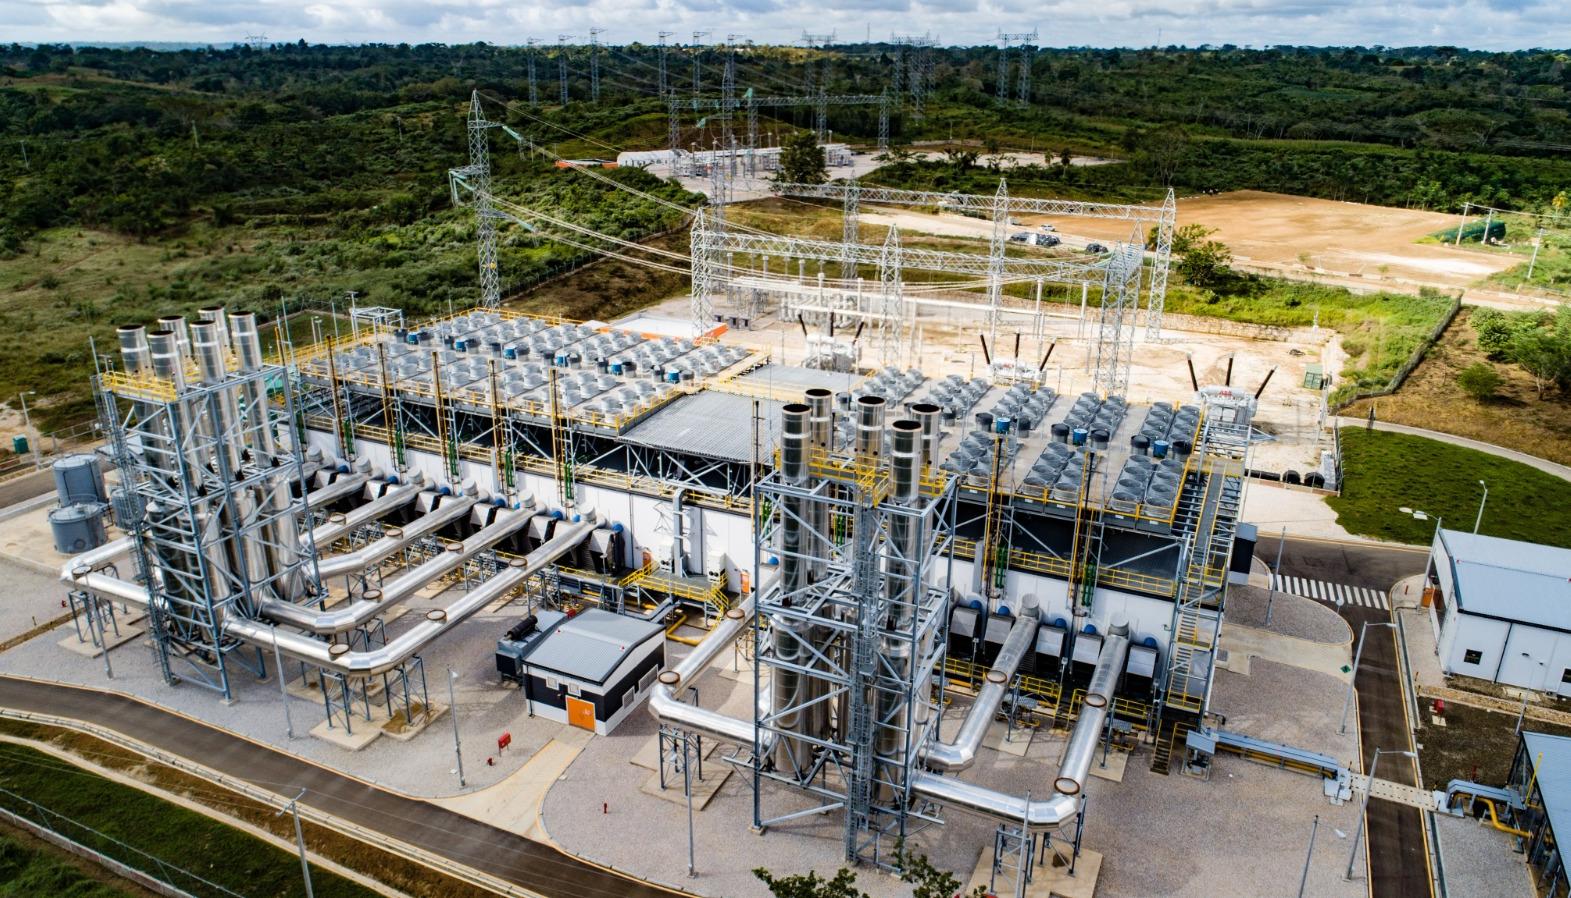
{"x":891,"y":303}
{"x":728,"y":96}
{"x":594,"y":64}
{"x":665,"y":86}
{"x":1023,"y":87}
{"x":561,"y":63}
{"x":479,"y":176}
{"x":995,"y":256}
{"x":534,"y":87}
{"x":850,"y":229}
{"x":698,"y":65}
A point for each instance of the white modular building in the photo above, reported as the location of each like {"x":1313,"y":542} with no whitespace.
{"x":1502,"y":609}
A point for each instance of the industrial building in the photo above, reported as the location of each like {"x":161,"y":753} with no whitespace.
{"x":1502,"y":610}
{"x":876,"y":537}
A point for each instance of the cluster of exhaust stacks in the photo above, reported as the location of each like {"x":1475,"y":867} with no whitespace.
{"x":226,"y":552}
{"x":807,"y":430}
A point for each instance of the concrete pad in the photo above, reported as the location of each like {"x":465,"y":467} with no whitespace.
{"x":128,"y":632}
{"x":1117,"y":763}
{"x":29,"y":541}
{"x":1015,"y":741}
{"x":1237,"y":662}
{"x":648,"y":755}
{"x":704,"y":789}
{"x":1047,"y":879}
{"x":514,"y":803}
{"x":365,"y":733}
{"x":394,"y":730}
{"x":1321,"y":657}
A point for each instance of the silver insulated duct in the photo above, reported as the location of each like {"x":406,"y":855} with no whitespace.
{"x":930,"y":417}
{"x":820,"y":431}
{"x":788,"y":635}
{"x":133,"y":348}
{"x":284,"y":531}
{"x":869,"y":428}
{"x":902,"y":586}
{"x":245,"y":549}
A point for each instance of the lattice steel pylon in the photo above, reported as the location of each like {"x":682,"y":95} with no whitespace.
{"x":1025,"y":39}
{"x":1116,"y":323}
{"x":594,"y":64}
{"x":698,"y":66}
{"x":478,"y":174}
{"x":1023,"y":83}
{"x":1157,"y":293}
{"x":883,"y":126}
{"x":850,"y":231}
{"x":534,"y":87}
{"x":700,"y":307}
{"x":665,"y":84}
{"x":995,"y":255}
{"x":891,"y":303}
{"x":561,"y":65}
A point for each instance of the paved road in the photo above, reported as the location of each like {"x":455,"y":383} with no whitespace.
{"x":1399,"y":862}
{"x":532,"y":865}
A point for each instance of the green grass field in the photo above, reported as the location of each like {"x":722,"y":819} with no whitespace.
{"x":219,"y":854}
{"x":1384,"y":472}
{"x":31,"y":868}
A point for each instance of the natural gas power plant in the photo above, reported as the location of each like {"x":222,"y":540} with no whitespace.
{"x":873,"y":541}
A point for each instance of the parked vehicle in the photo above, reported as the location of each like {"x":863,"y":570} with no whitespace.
{"x":1095,"y":248}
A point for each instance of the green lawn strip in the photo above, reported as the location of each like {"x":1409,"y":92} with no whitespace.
{"x":1384,"y":472}
{"x":181,"y":837}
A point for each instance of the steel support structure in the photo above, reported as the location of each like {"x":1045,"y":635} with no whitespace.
{"x":1116,"y":321}
{"x":594,"y":64}
{"x":213,"y":471}
{"x":850,"y":230}
{"x":858,"y":644}
{"x":1162,"y":219}
{"x":534,"y":86}
{"x":996,"y":245}
{"x":478,"y":176}
{"x":561,"y":65}
{"x":893,"y":330}
{"x":1026,"y":40}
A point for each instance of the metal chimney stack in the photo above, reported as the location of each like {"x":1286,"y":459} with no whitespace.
{"x":789,"y":633}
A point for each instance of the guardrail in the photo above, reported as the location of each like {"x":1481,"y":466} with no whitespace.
{"x":440,"y":863}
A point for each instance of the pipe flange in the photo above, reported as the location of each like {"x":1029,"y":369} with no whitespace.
{"x":338,"y":649}
{"x":436,"y":615}
{"x":734,"y":614}
{"x":1096,"y":700}
{"x":393,"y":532}
{"x":80,"y":571}
{"x":1065,"y":785}
{"x":996,"y":676}
{"x":337,"y":517}
{"x":455,"y":546}
{"x":517,"y":563}
{"x":669,"y":678}
{"x":372,"y":595}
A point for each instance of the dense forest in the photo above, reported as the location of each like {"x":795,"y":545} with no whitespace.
{"x":136,"y":182}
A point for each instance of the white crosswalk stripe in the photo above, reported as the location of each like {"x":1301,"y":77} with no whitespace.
{"x":1332,"y":593}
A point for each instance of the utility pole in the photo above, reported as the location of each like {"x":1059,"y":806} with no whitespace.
{"x":1532,"y":263}
{"x":1276,"y":574}
{"x":594,"y":64}
{"x":561,"y":64}
{"x":283,"y":693}
{"x":305,"y":866}
{"x":1304,"y":879}
{"x":534,"y":87}
{"x":1478,"y":521}
{"x":27,"y":425}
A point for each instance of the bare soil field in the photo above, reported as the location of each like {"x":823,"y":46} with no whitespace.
{"x":1515,"y":417}
{"x":1301,"y":236}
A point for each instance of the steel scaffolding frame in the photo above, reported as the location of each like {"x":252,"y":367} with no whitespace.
{"x":211,"y":512}
{"x":863,"y":673}
{"x":1116,"y":321}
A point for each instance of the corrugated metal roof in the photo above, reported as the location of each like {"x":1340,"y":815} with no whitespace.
{"x":1551,"y":760}
{"x":1510,"y":579}
{"x":711,"y":424}
{"x":591,"y":644}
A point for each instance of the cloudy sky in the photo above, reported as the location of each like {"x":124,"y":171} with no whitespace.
{"x":1483,"y":24}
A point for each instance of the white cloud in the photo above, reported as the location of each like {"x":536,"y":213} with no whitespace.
{"x":1483,"y":24}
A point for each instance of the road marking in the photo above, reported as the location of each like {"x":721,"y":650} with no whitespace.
{"x":1332,"y":593}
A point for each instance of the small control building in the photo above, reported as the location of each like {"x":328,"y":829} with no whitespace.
{"x":589,"y":670}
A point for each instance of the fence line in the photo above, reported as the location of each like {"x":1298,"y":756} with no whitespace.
{"x":51,"y":833}
{"x":396,"y":847}
{"x":1408,"y":367}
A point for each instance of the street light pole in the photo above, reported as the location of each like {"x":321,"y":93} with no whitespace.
{"x":305,"y":866}
{"x":283,"y":693}
{"x":1304,"y":879}
{"x":1358,"y":656}
{"x":1364,"y":814}
{"x":452,"y":709}
{"x":1480,"y":519}
{"x":27,"y":424}
{"x":1276,"y":573}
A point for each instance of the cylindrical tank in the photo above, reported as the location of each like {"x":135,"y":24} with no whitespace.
{"x":78,"y":527}
{"x":1078,"y":436}
{"x":1140,"y":444}
{"x":1099,"y":438}
{"x":78,"y":479}
{"x":127,"y":506}
{"x":1159,"y":448}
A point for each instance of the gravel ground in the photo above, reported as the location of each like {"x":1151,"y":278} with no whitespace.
{"x":29,"y":599}
{"x":1479,"y":860}
{"x":1256,"y":818}
{"x":1291,"y":615}
{"x":420,"y":767}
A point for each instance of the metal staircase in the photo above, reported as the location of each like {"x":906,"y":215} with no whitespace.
{"x":1208,"y":512}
